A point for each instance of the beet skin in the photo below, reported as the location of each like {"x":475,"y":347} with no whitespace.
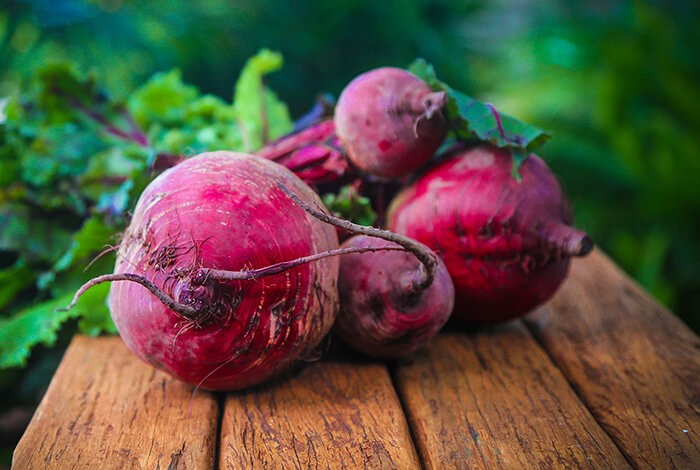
{"x":506,"y":243}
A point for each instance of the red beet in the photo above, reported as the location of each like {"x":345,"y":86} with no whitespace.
{"x":390,"y":121}
{"x":506,"y":243}
{"x":383,"y":312}
{"x":394,"y":299}
{"x":198,"y":232}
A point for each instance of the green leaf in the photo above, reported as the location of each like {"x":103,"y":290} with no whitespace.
{"x":349,"y":204}
{"x":61,"y":90}
{"x":97,"y":320}
{"x":11,"y":147}
{"x":92,"y":238}
{"x":472,"y":119}
{"x":180,"y":121}
{"x":67,"y":97}
{"x":425,"y":71}
{"x":163,"y":99}
{"x":72,"y":162}
{"x":14,"y":280}
{"x":40,"y":323}
{"x":36,"y":239}
{"x":261,"y":115}
{"x":59,"y":151}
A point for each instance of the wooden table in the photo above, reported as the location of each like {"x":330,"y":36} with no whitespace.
{"x":600,"y":377}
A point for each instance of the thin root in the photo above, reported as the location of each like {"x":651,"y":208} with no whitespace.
{"x":184,"y":310}
{"x":427,"y":258}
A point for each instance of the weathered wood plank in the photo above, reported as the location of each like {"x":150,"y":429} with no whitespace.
{"x":333,"y":414}
{"x":106,"y":409}
{"x":493,"y":399}
{"x":635,"y":365}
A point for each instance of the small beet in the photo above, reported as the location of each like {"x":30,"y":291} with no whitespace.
{"x":390,"y":122}
{"x":395,"y":293}
{"x":382,"y":314}
{"x":506,"y":243}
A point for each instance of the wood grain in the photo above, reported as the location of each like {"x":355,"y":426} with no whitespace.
{"x":106,"y":409}
{"x":333,"y":414}
{"x":635,"y":365}
{"x":493,"y":399}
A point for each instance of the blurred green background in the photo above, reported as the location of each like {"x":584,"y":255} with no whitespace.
{"x":617,"y":82}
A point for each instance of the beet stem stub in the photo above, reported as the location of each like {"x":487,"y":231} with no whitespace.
{"x":433,"y":103}
{"x":427,"y":258}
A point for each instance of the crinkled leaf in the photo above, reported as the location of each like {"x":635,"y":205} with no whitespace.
{"x":115,"y":163}
{"x":349,"y":204}
{"x":57,"y":130}
{"x":261,"y":115}
{"x":40,"y":323}
{"x":180,"y":121}
{"x":162,"y":99}
{"x":472,"y":119}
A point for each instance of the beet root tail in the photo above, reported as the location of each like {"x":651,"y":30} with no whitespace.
{"x":568,"y":240}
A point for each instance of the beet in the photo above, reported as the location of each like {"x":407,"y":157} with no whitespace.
{"x":383,"y":313}
{"x":506,"y":243}
{"x":390,"y":122}
{"x":211,"y":319}
{"x":394,"y":299}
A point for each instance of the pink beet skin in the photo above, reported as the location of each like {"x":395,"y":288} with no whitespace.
{"x":224,"y":210}
{"x":383,"y":314}
{"x":390,"y":122}
{"x":506,"y":243}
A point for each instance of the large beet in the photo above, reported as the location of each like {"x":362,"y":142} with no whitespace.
{"x":223,"y":212}
{"x":506,"y":243}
